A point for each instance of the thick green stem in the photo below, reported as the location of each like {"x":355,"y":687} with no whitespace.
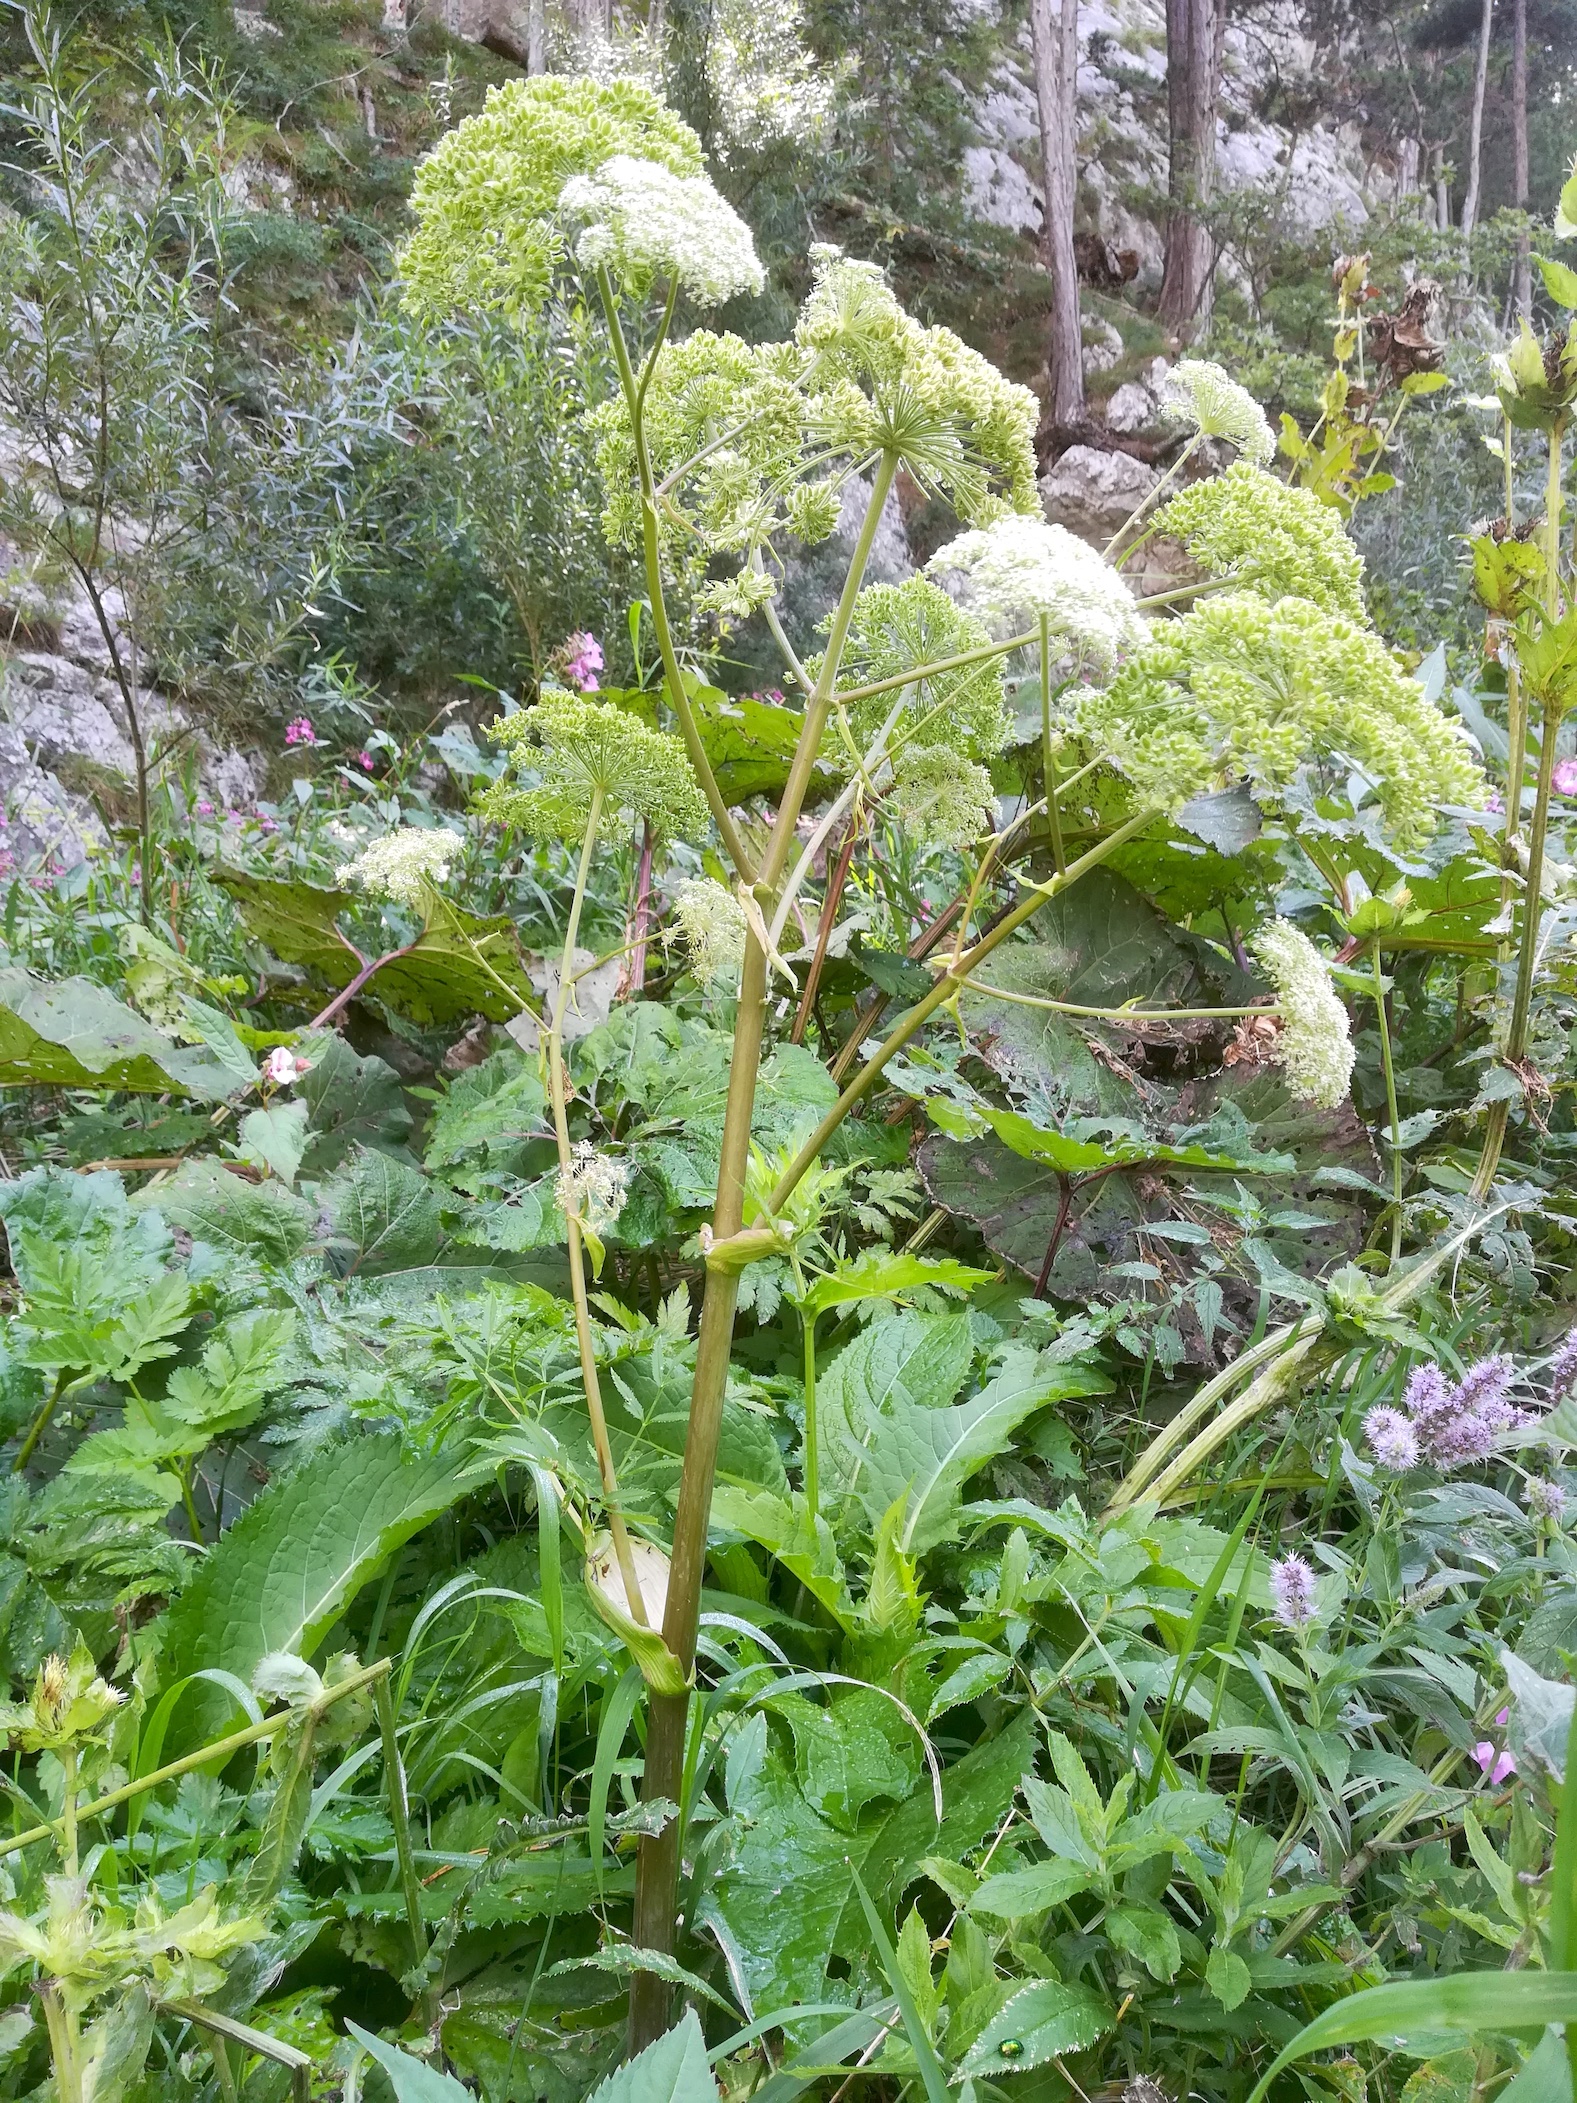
{"x":400,"y":1819}
{"x":1389,"y":1068}
{"x":558,"y":1093}
{"x":1047,"y":752}
{"x":657,"y":1872}
{"x":63,"y":2041}
{"x":651,"y":549}
{"x":1516,"y":1035}
{"x":40,"y":1423}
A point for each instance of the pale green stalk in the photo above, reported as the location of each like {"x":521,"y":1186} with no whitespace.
{"x":1048,"y":755}
{"x":1389,"y":1069}
{"x":400,"y":1819}
{"x":1109,"y":552}
{"x":1517,"y":1033}
{"x":635,"y":396}
{"x":657,"y":1871}
{"x":577,"y":1267}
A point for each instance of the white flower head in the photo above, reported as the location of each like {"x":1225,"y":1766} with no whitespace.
{"x":642,"y":220}
{"x":711,"y":926}
{"x":1199,"y":392}
{"x":1010,"y":573}
{"x":404,"y":863}
{"x":592,"y":1190}
{"x":1315,"y":1048}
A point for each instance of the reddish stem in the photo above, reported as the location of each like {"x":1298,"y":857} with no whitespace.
{"x":829,"y":908}
{"x":343,"y":999}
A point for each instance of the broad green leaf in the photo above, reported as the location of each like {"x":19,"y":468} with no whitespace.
{"x":855,"y":1751}
{"x":1560,"y":281}
{"x":930,"y":1453}
{"x":1566,"y":210}
{"x":1040,"y":2022}
{"x":492,"y":1112}
{"x":1082,"y":1157}
{"x":976,"y":1793}
{"x":351,"y":1101}
{"x":673,"y":2070}
{"x":461,"y":965}
{"x":384,"y":1216}
{"x":75,"y":1035}
{"x":1147,"y":1933}
{"x":263,"y":1222}
{"x":297,"y":921}
{"x":749,"y":742}
{"x":1483,"y":2004}
{"x":295,"y":1558}
{"x":274,"y":1138}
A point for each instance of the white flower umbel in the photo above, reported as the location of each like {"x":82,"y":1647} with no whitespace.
{"x":711,"y":928}
{"x":593,"y":1188}
{"x":643,"y":221}
{"x":1198,"y":392}
{"x":403,"y":864}
{"x":1012,"y":572}
{"x":1315,"y":1048}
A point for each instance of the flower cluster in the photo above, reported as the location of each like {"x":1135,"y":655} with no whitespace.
{"x":592,"y":1190}
{"x":1292,"y":1591}
{"x":1201,"y":394}
{"x":299,"y":731}
{"x":1546,"y":1500}
{"x":582,"y":657}
{"x":897,"y":627}
{"x":1276,"y":540}
{"x":711,"y":926}
{"x":283,"y":1068}
{"x":1444,"y":1426}
{"x":1241,"y":690}
{"x":590,"y":749}
{"x":404,"y":865}
{"x":1012,"y":572}
{"x":488,"y":232}
{"x":1562,"y":1371}
{"x":644,"y":221}
{"x":742,"y":425}
{"x":940,"y":794}
{"x":1315,"y":1048}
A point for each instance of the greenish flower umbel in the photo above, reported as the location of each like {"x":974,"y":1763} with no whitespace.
{"x":941,"y":795}
{"x":489,"y":232}
{"x":1244,"y":691}
{"x":738,"y":427}
{"x":1204,"y":395}
{"x":898,"y":626}
{"x":580,"y":747}
{"x":1282,"y":542}
{"x":1315,"y":1048}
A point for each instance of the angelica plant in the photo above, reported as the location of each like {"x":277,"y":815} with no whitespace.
{"x":716,"y":455}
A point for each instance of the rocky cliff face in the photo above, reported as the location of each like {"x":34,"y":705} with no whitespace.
{"x":66,"y":758}
{"x":1317,"y":179}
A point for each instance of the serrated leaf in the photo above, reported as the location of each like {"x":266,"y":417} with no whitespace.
{"x":749,"y":742}
{"x":673,"y":2070}
{"x":880,"y":1274}
{"x":1227,"y":1976}
{"x":384,"y":1216}
{"x":258,"y":1221}
{"x":297,"y":921}
{"x":1560,"y":281}
{"x":412,"y":2080}
{"x":274,"y":1138}
{"x":1040,"y":2022}
{"x":281,"y":1575}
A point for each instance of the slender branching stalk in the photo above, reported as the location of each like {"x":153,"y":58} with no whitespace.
{"x":558,"y":1097}
{"x":1048,"y":751}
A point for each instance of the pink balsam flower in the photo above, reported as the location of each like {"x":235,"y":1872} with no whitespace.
{"x":299,"y":731}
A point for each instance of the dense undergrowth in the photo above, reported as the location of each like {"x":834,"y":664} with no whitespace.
{"x":892,"y":1366}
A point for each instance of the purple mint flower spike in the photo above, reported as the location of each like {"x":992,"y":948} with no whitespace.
{"x":1292,"y":1591}
{"x":1563,"y":1368}
{"x":1392,"y":1439}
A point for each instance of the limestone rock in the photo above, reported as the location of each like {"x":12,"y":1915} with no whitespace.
{"x":55,"y":706}
{"x":43,"y":824}
{"x":1092,"y":493}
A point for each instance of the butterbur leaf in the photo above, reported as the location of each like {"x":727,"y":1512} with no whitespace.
{"x":75,"y":1035}
{"x":1040,"y":2022}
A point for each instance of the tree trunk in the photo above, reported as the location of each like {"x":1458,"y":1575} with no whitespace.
{"x":1193,"y":56}
{"x":1442,"y":188}
{"x":1055,"y":44}
{"x":1476,"y":126}
{"x":1407,"y":167}
{"x":1523,"y":283}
